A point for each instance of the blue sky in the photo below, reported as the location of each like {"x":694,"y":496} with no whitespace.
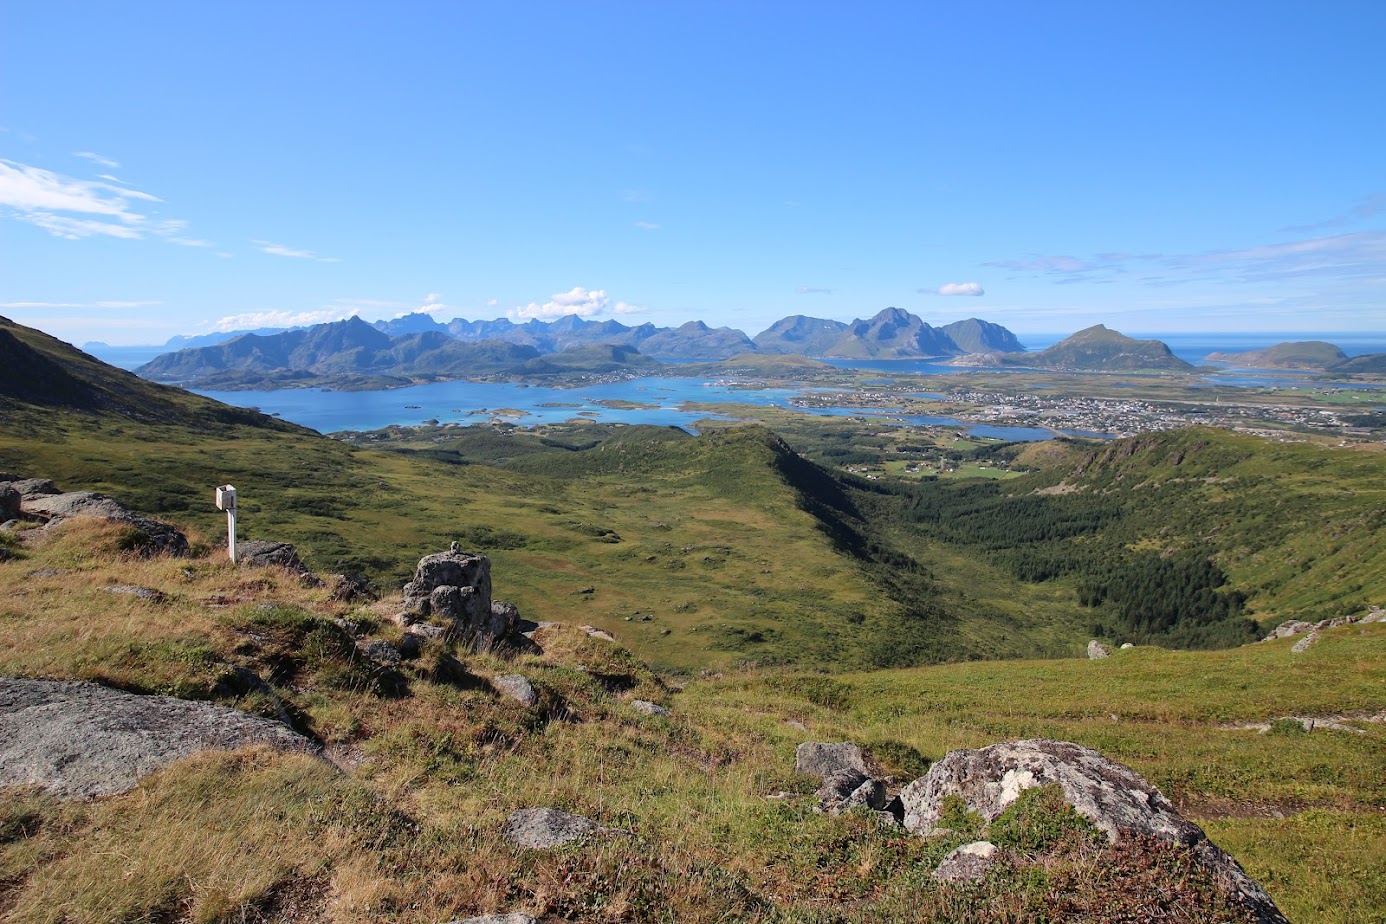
{"x":177,"y":167}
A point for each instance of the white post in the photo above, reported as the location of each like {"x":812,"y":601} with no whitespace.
{"x":226,"y":500}
{"x":231,"y":532}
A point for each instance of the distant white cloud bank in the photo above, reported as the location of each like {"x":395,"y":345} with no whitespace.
{"x":585,"y":303}
{"x":961,"y":288}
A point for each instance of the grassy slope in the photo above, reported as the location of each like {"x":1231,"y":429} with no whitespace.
{"x":409,"y":833}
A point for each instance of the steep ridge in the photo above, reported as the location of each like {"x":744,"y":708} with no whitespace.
{"x":38,"y":371}
{"x":977,"y":336}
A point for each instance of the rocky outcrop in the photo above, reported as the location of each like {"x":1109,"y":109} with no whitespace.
{"x":1097,"y":651}
{"x":542,"y":828}
{"x":1113,"y":797}
{"x":647,"y":707}
{"x":265,"y":553}
{"x":455,"y":586}
{"x":967,"y":863}
{"x":157,"y":537}
{"x":1294,"y":627}
{"x":79,"y":740}
{"x":846,"y":782}
{"x":33,"y":487}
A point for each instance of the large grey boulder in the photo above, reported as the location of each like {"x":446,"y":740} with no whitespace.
{"x":967,"y":863}
{"x":819,"y":759}
{"x":79,"y":740}
{"x":455,"y":586}
{"x":541,"y":828}
{"x":1097,"y":651}
{"x":266,"y":553}
{"x":57,"y":508}
{"x":1110,"y":795}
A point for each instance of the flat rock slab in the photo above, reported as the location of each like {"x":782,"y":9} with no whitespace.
{"x":816,"y":758}
{"x":514,"y":917}
{"x":541,"y":828}
{"x":79,"y":740}
{"x":647,"y":707}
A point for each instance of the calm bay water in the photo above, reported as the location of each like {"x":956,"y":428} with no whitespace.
{"x":475,"y":402}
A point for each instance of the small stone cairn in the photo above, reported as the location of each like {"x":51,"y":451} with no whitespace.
{"x":455,"y":587}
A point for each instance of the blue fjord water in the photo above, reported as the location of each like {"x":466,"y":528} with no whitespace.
{"x":666,"y":396}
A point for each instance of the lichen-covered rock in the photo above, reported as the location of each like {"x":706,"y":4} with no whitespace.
{"x":517,"y":687}
{"x":513,"y":917}
{"x":56,"y":508}
{"x":263,"y":553}
{"x":1112,"y":796}
{"x":379,"y":651}
{"x":449,"y":569}
{"x":1097,"y":651}
{"x":542,"y":828}
{"x":148,"y":594}
{"x":1301,"y":646}
{"x":33,"y":487}
{"x":819,"y":759}
{"x":647,"y":707}
{"x":967,"y":863}
{"x":79,"y":740}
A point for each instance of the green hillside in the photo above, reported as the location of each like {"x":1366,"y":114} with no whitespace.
{"x":1101,"y":349}
{"x":1302,"y":354}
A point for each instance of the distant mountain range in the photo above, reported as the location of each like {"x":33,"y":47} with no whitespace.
{"x":418,"y":348}
{"x":346,"y":354}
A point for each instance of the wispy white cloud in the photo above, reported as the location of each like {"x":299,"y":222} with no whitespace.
{"x":98,"y":160}
{"x":958,"y":288}
{"x":634,"y":195}
{"x":1037,"y":263}
{"x":1350,"y":256}
{"x":270,"y":318}
{"x":810,"y":290}
{"x":279,"y":250}
{"x":647,"y":226}
{"x":1367,"y":207}
{"x":585,"y":303}
{"x":73,"y":209}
